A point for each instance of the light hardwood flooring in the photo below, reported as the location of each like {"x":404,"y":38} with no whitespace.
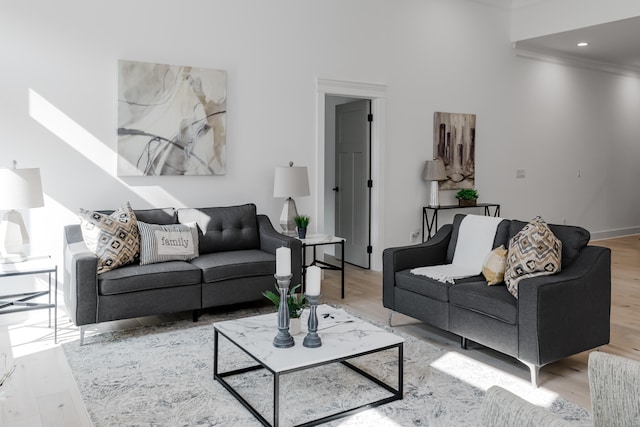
{"x":42,"y":391}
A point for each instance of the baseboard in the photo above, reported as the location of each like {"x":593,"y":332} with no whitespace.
{"x":609,"y":234}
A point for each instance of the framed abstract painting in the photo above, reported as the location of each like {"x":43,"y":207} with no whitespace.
{"x":171,"y":120}
{"x":454,"y":141}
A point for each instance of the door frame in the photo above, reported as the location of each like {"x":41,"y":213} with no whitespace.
{"x":377,"y":94}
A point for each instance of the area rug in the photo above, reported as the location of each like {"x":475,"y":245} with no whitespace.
{"x":163,"y":376}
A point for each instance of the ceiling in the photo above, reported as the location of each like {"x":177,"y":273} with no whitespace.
{"x":615,"y":43}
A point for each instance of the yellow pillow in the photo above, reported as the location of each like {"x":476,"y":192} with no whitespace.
{"x":494,"y":265}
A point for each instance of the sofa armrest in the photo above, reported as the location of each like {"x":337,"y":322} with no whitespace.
{"x":431,"y":252}
{"x":270,"y":240}
{"x":568,"y":312}
{"x":80,"y":284}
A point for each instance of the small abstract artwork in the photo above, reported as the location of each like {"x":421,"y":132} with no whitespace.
{"x":171,"y":120}
{"x":454,"y":141}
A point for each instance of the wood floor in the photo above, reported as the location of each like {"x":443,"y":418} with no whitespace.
{"x":42,"y":391}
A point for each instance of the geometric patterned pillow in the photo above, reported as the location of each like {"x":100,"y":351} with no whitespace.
{"x":113,"y":238}
{"x":533,"y":251}
{"x":171,"y":242}
{"x":494,"y":266}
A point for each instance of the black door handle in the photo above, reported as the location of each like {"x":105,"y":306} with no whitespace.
{"x":336,"y":189}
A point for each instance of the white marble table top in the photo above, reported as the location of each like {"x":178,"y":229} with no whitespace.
{"x":314,"y":239}
{"x":342,"y":336}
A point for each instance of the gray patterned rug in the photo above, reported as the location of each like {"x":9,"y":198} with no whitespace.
{"x":163,"y":376}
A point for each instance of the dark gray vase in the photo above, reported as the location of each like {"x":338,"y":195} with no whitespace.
{"x":302,"y":233}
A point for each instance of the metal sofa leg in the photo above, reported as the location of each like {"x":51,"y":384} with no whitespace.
{"x":82,"y":330}
{"x":196,"y":314}
{"x":535,"y":371}
{"x":390,"y":314}
{"x":463,"y":343}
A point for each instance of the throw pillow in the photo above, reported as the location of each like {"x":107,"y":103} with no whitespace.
{"x":171,"y":242}
{"x":533,"y":251}
{"x":113,"y":238}
{"x":494,"y":265}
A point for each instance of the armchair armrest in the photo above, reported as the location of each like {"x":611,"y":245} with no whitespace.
{"x":80,"y":285}
{"x":431,"y":252}
{"x":568,"y":312}
{"x":270,"y":240}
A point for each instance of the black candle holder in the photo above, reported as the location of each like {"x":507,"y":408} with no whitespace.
{"x":312,"y":340}
{"x":283,"y":339}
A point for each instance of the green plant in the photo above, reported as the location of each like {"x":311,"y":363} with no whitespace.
{"x":302,"y":221}
{"x":296,"y":302}
{"x":467,"y":194}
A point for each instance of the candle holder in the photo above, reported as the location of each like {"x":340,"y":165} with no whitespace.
{"x":283,"y":339}
{"x":312,"y":340}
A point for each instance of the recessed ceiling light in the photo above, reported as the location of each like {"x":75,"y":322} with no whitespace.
{"x":583,"y":44}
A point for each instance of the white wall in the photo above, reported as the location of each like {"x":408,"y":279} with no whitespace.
{"x":534,"y":18}
{"x":58,"y":108}
{"x":571,"y":121}
{"x":433,"y":55}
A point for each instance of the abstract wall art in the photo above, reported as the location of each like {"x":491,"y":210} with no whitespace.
{"x":454,"y":141}
{"x":171,"y":120}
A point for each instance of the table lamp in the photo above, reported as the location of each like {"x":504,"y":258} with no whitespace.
{"x":434,"y":171}
{"x":290,"y":181}
{"x":19,"y":189}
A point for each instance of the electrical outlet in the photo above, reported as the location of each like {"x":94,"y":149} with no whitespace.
{"x":521,"y":173}
{"x":413,"y":236}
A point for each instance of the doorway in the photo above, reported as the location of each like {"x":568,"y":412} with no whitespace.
{"x":329,"y":90}
{"x":348,"y":175}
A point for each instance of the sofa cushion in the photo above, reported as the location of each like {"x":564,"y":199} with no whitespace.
{"x":169,"y":242}
{"x":494,"y":266}
{"x":427,"y":286}
{"x":135,"y":277}
{"x":112,"y":238}
{"x":157,"y":216}
{"x":534,"y":251}
{"x":224,"y":229}
{"x":220,"y":266}
{"x":573,"y":239}
{"x":492,"y":301}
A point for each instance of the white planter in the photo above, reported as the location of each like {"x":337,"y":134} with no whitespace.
{"x":294,"y":326}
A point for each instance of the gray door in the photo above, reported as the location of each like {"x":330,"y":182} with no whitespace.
{"x":353,"y":180}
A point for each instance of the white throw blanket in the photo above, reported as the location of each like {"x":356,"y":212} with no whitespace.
{"x":475,"y":241}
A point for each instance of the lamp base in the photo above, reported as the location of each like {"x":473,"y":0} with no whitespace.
{"x":287,"y":217}
{"x":433,"y":201}
{"x":13,"y":238}
{"x":12,"y":258}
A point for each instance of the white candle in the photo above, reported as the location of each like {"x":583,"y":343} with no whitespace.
{"x":283,"y":262}
{"x":312,"y":280}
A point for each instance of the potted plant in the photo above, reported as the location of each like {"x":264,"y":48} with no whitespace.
{"x":296,"y":303}
{"x":302,"y":222}
{"x":467,"y":197}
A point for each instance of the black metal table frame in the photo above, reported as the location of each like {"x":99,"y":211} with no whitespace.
{"x":20,"y":304}
{"x":322,"y":264}
{"x":397,"y":393}
{"x":432,"y":223}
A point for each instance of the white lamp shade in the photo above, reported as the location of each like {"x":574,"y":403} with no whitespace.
{"x":291,"y":181}
{"x":20,"y":189}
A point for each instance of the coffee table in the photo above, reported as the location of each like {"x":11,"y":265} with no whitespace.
{"x":346,"y":337}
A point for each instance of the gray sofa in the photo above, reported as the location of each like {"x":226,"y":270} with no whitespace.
{"x":554,"y":316}
{"x":236,"y":264}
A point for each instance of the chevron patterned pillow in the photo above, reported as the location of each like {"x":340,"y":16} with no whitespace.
{"x":113,"y":238}
{"x":533,"y":251}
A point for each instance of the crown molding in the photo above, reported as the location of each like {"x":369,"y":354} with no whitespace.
{"x":559,"y":58}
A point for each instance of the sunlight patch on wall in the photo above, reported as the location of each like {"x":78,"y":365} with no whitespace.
{"x":78,"y":138}
{"x":483,"y":376}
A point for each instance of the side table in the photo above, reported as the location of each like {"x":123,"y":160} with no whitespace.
{"x":20,"y":302}
{"x":315,"y":240}
{"x":432,"y":222}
